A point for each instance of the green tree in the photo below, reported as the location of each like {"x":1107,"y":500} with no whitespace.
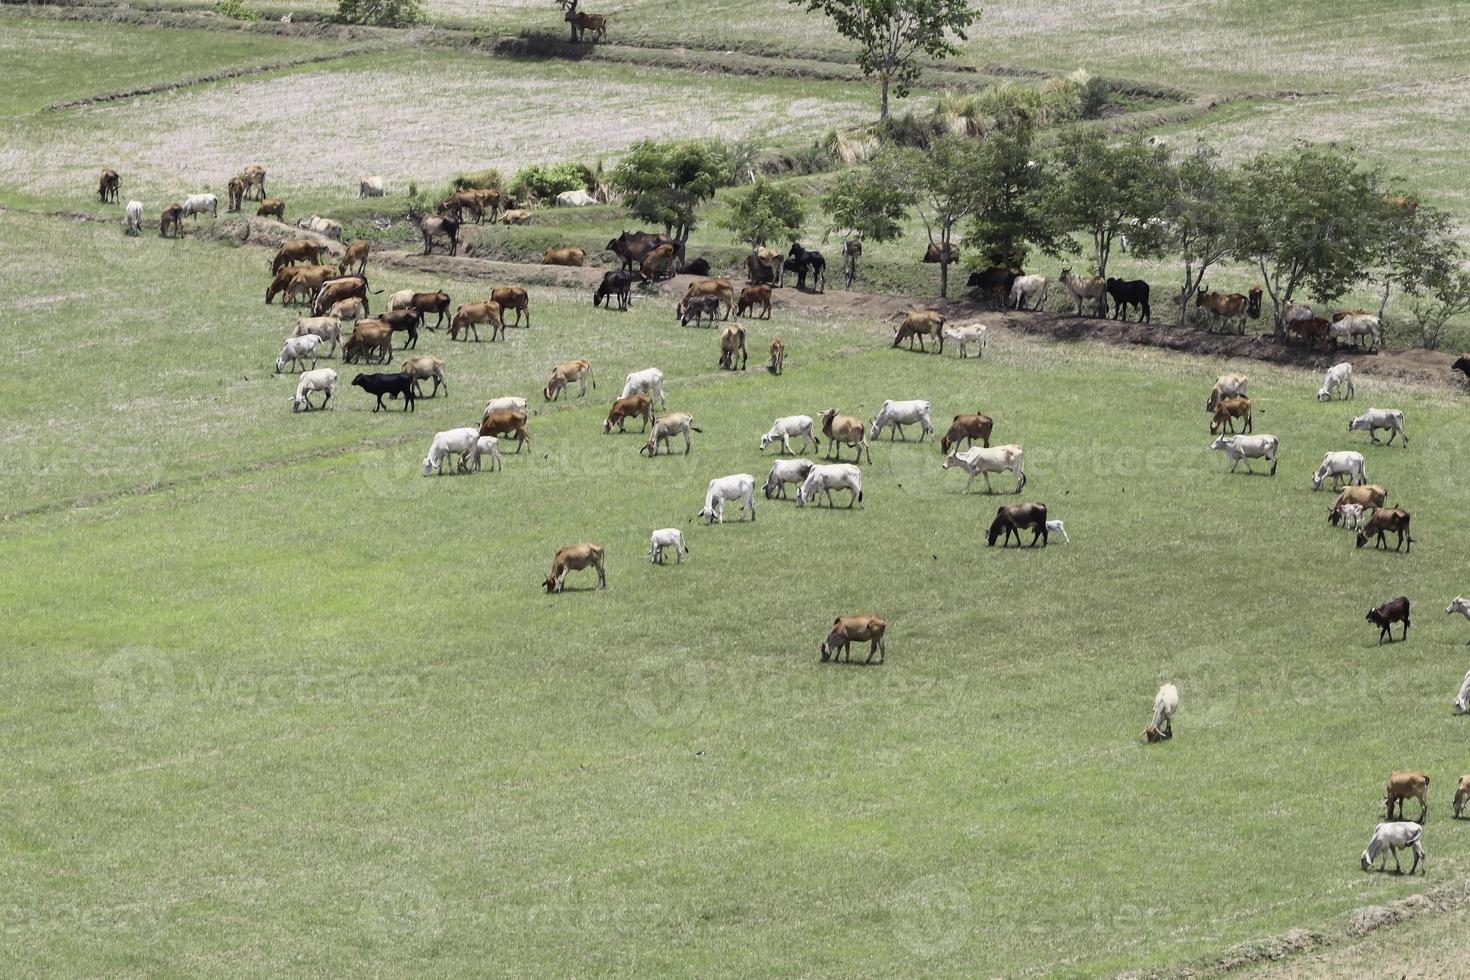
{"x":666,"y":182}
{"x":1314,"y":219}
{"x":892,"y":34}
{"x":1102,"y":190}
{"x":381,"y":13}
{"x":765,"y":213}
{"x":942,"y":180}
{"x":864,"y":207}
{"x":1199,"y":217}
{"x":1010,"y":218}
{"x":1419,"y":250}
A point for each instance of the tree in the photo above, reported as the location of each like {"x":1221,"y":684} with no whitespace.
{"x":1010,"y":218}
{"x":941,"y":178}
{"x":1314,"y":218}
{"x":567,"y":8}
{"x":381,"y":13}
{"x":765,"y":213}
{"x":864,"y":207}
{"x":892,"y":34}
{"x":1419,"y":251}
{"x":1200,"y":217}
{"x":1447,"y":298}
{"x":1103,"y":190}
{"x":665,"y":182}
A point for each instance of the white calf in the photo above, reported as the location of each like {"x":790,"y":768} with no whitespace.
{"x":667,"y":537}
{"x":1029,"y":289}
{"x":737,"y":486}
{"x":829,"y":477}
{"x":1351,"y":515}
{"x":509,"y":403}
{"x":978,"y":461}
{"x":197,"y":204}
{"x":486,"y":445}
{"x":321,"y":379}
{"x":328,"y":328}
{"x":1380,"y":418}
{"x":1344,"y":465}
{"x":1237,"y":448}
{"x":791,"y":425}
{"x":1459,"y":605}
{"x":450,"y":442}
{"x":1339,"y":375}
{"x":1462,"y":700}
{"x":785,"y":471}
{"x":133,"y":218}
{"x":965,"y":336}
{"x":649,"y":381}
{"x":1400,"y":833}
{"x":900,"y":414}
{"x":1056,"y":527}
{"x":296,"y":350}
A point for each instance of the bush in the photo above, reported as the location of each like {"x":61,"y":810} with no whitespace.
{"x":544,"y":182}
{"x":236,"y":10}
{"x":381,"y":13}
{"x":478,"y":179}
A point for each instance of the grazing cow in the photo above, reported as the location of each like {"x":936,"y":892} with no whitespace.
{"x":322,"y":379}
{"x":370,"y":187}
{"x":1228,"y":411}
{"x":564,"y":256}
{"x":1355,"y":326}
{"x":451,"y":442}
{"x":843,"y":430}
{"x":1344,"y":465}
{"x":993,"y":284}
{"x":296,"y":350}
{"x":824,"y":478}
{"x":699,"y":308}
{"x":899,"y":414}
{"x":847,"y":630}
{"x":1393,"y":836}
{"x":791,"y":425}
{"x":334,"y":291}
{"x":737,"y":486}
{"x":1230,"y":306}
{"x":391,"y":384}
{"x":107,"y":187}
{"x":801,"y":261}
{"x":1126,"y":293}
{"x":505,"y":403}
{"x":197,"y":204}
{"x":171,"y":223}
{"x":633,"y":246}
{"x":430,"y":228}
{"x":253,"y":177}
{"x":722,"y":288}
{"x":1338,"y":376}
{"x":286,"y":275}
{"x":1380,"y":418}
{"x":506,"y":422}
{"x":1462,"y":795}
{"x":1029,"y":289}
{"x":354,"y":259}
{"x":966,"y":428}
{"x":732,"y":342}
{"x":296,"y":250}
{"x":1237,"y":448}
{"x":982,"y":462}
{"x":1366,"y":497}
{"x":427,"y":367}
{"x":765,"y":265}
{"x":1017,"y":518}
{"x":632,"y":407}
{"x":272,"y":207}
{"x":468,"y":316}
{"x":368,"y":337}
{"x":619,"y":283}
{"x":235,"y":192}
{"x":778,"y":357}
{"x":1094,"y":288}
{"x":784,"y":471}
{"x":664,"y":430}
{"x":1226,"y":385}
{"x":574,"y":199}
{"x":1166,"y":705}
{"x":649,"y":381}
{"x":663,"y":539}
{"x":582,"y":23}
{"x":1384,"y":520}
{"x":753,"y":296}
{"x":573,"y":559}
{"x":658,"y":264}
{"x":916,"y":324}
{"x":564,"y":374}
{"x":975,"y":333}
{"x":133,"y":219}
{"x":513,"y":298}
{"x":1459,"y":604}
{"x":1406,"y":786}
{"x":1310,"y":330}
{"x":933,"y":253}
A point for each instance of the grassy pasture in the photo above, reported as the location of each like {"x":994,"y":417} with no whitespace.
{"x":304,"y":699}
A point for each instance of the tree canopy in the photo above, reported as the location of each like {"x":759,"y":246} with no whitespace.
{"x":765,"y":213}
{"x":666,"y":182}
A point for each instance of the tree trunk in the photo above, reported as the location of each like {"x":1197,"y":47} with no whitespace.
{"x":944,"y":260}
{"x":883,"y":103}
{"x":572,"y":9}
{"x":1383,"y":303}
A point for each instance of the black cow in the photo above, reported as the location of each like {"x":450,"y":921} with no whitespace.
{"x":700,"y":306}
{"x":1462,"y":365}
{"x":406,"y":321}
{"x":699,"y":267}
{"x":617,"y":283}
{"x":633,"y":246}
{"x":1015,"y":519}
{"x":1384,"y":616}
{"x":800,"y":261}
{"x":993,"y":283}
{"x":1129,"y":292}
{"x":391,"y":385}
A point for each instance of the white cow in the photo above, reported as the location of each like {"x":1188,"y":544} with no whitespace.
{"x":978,"y":461}
{"x":1166,"y":706}
{"x":1029,"y":289}
{"x":486,"y":445}
{"x":370,"y":187}
{"x":1356,"y":325}
{"x":448,"y":443}
{"x":197,"y":204}
{"x":649,"y":381}
{"x":788,"y":426}
{"x":1339,"y":375}
{"x":321,"y":379}
{"x":1462,"y":700}
{"x":1380,"y":418}
{"x":900,"y":414}
{"x":574,"y":199}
{"x":328,"y":328}
{"x":829,"y":477}
{"x":1459,"y":605}
{"x":1057,"y":527}
{"x":322,"y":226}
{"x":1237,"y":448}
{"x":507,"y":403}
{"x":785,"y":471}
{"x":1226,"y":386}
{"x":133,"y":218}
{"x":1396,"y":835}
{"x":1344,"y":465}
{"x":400,"y":300}
{"x":296,"y":350}
{"x":667,"y":537}
{"x":975,"y":333}
{"x":1296,"y":311}
{"x":737,"y":486}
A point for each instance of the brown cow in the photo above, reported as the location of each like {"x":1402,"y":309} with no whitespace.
{"x":253,"y":177}
{"x":1386,"y":519}
{"x":916,"y":324}
{"x":630,"y":407}
{"x":172,"y":218}
{"x":564,"y":256}
{"x":307,"y":281}
{"x":722,"y":288}
{"x":1230,"y":409}
{"x":236,"y":192}
{"x":272,"y":207}
{"x":1230,"y":306}
{"x":368,"y":337}
{"x":107,"y":187}
{"x":287,"y":273}
{"x":659,"y":264}
{"x":356,"y":255}
{"x":1310,"y":330}
{"x":846,"y":629}
{"x":461,"y":201}
{"x":732,"y":341}
{"x":512,"y":298}
{"x":425,"y":303}
{"x":966,"y":428}
{"x":507,"y":422}
{"x":470,"y":314}
{"x":337,"y":290}
{"x":778,"y":357}
{"x":572,"y":559}
{"x":633,"y":246}
{"x":753,"y":296}
{"x":933,"y":253}
{"x":582,"y":23}
{"x":296,"y":250}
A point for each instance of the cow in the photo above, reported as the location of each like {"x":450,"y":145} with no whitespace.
{"x":1126,"y":293}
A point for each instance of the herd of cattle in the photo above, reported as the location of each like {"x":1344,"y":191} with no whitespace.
{"x":337,"y":293}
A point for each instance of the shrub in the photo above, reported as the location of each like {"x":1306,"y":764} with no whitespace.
{"x":478,"y":179}
{"x":538,"y":182}
{"x":381,"y":13}
{"x":236,"y":10}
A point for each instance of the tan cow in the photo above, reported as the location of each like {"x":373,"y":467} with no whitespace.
{"x":916,"y":325}
{"x":571,"y":559}
{"x":847,"y":629}
{"x":722,"y":288}
{"x":564,"y":256}
{"x":508,"y":421}
{"x":470,"y":314}
{"x":564,"y":374}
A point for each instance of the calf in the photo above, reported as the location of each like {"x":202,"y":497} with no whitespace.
{"x":506,"y":422}
{"x":1015,"y":519}
{"x":1462,"y":795}
{"x":966,"y":428}
{"x":392,"y":385}
{"x":753,"y":296}
{"x":667,"y":537}
{"x":631,"y":407}
{"x":1387,"y":519}
{"x":1384,"y":616}
{"x":1406,"y":786}
{"x":847,"y":629}
{"x":1338,"y":376}
{"x":699,"y":308}
{"x":571,"y":559}
{"x":778,"y":357}
{"x":1228,"y":411}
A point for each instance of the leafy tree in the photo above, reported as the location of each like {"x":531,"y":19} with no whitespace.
{"x":942,"y":180}
{"x":1449,"y":297}
{"x":1103,"y":190}
{"x":892,"y":34}
{"x":765,"y":213}
{"x":1199,"y":217}
{"x":1010,"y":218}
{"x":666,"y":182}
{"x":381,"y":13}
{"x":1419,"y":250}
{"x":865,"y":207}
{"x":542,"y":182}
{"x":1312,"y":217}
